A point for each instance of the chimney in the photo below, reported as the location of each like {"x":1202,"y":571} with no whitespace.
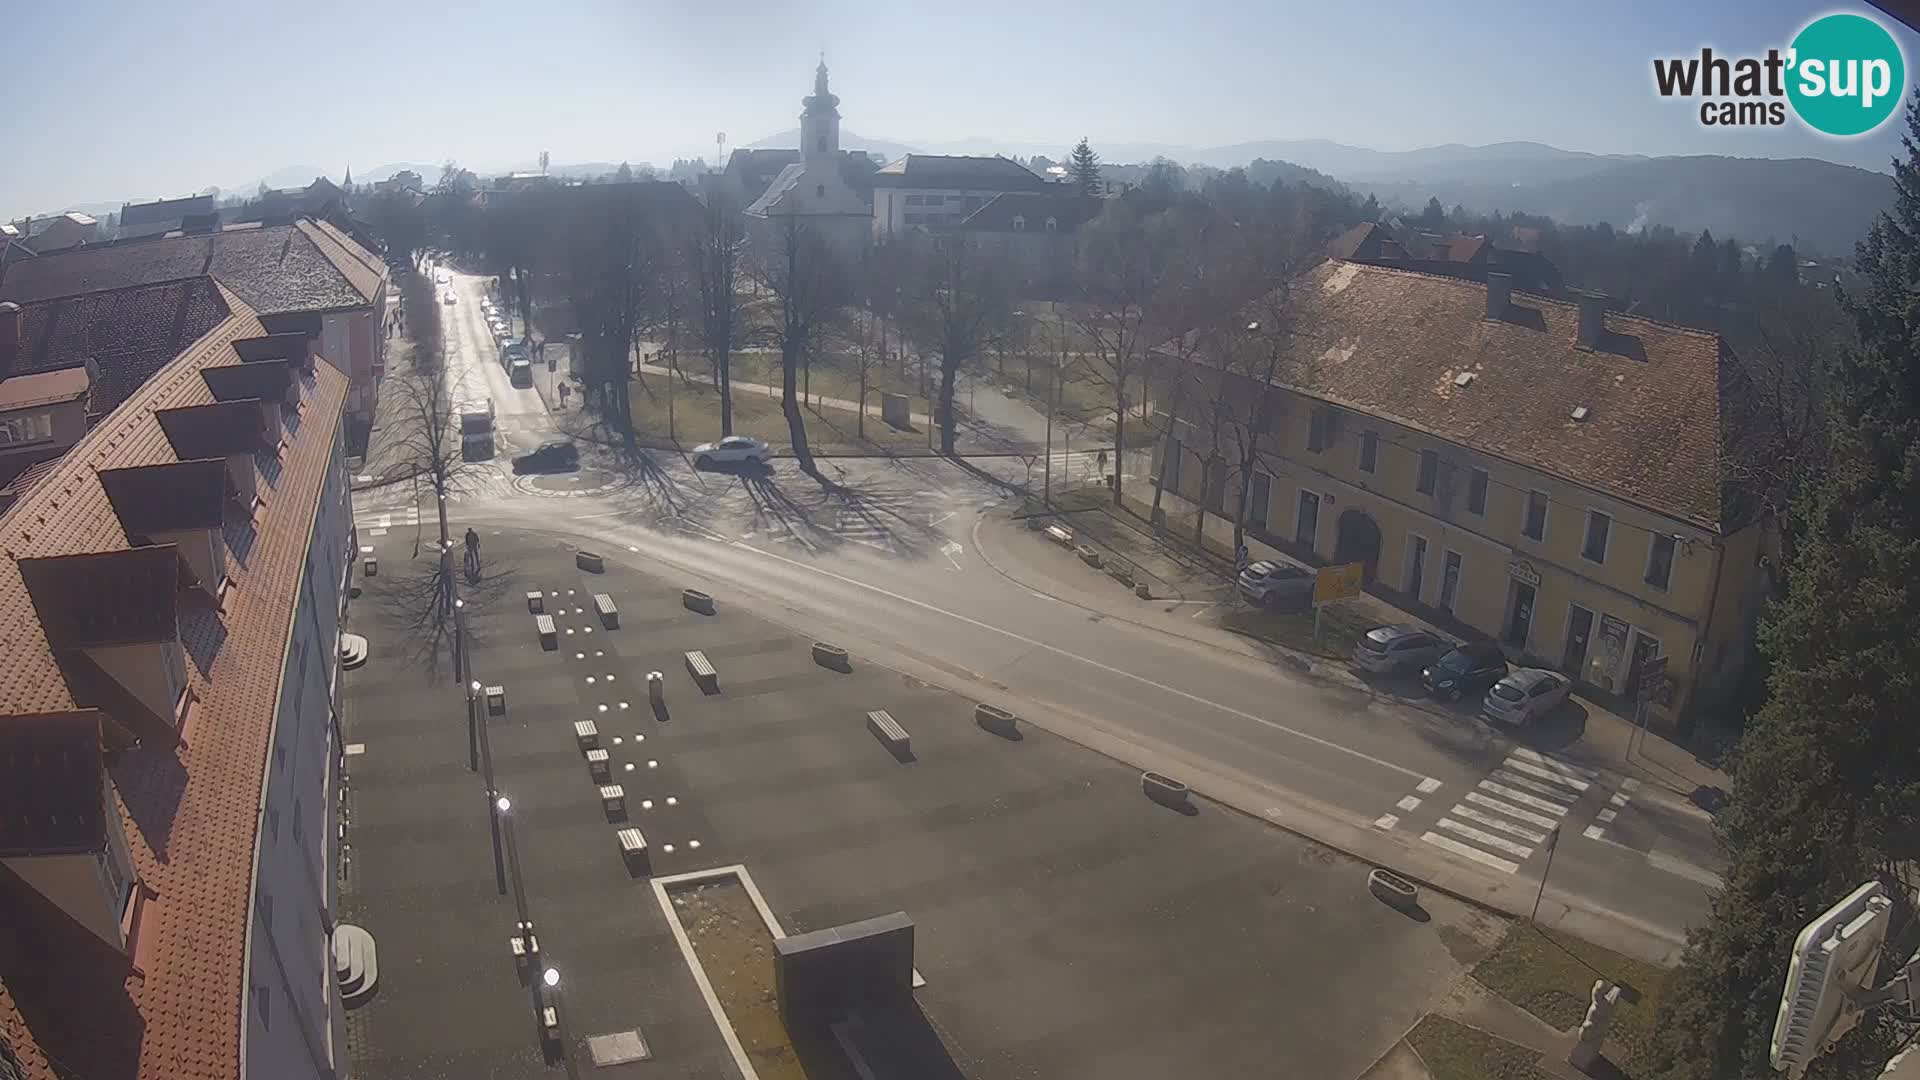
{"x":10,"y":333}
{"x":1593,"y":319}
{"x":1499,"y":286}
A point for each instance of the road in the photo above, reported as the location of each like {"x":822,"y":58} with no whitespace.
{"x":893,"y":562}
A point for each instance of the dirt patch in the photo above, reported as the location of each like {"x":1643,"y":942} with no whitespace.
{"x":736,"y":951}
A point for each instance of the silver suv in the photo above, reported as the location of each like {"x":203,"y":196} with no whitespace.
{"x":1391,"y":650}
{"x":1277,"y":586}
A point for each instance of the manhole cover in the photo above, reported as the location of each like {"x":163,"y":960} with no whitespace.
{"x":618,"y":1048}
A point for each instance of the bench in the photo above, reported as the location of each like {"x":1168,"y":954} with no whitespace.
{"x":496,"y":700}
{"x":597,"y":764}
{"x":703,"y":672}
{"x":890,"y":733}
{"x":536,"y":602}
{"x":549,"y":635}
{"x":613,"y":799}
{"x":586,"y":734}
{"x":526,"y":951}
{"x":609,"y":614}
{"x":550,"y":1024}
{"x":633,"y":850}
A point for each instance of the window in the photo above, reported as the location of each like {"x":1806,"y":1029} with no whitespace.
{"x":1317,"y":431}
{"x":1429,"y":472}
{"x":820,"y":144}
{"x":1534,"y":525}
{"x":1595,"y":547}
{"x":913,"y":219}
{"x":1262,"y":493}
{"x":1053,"y":224}
{"x":1369,"y":451}
{"x":1019,"y":223}
{"x":1660,"y":560}
{"x":913,"y":200}
{"x":1450,"y":582}
{"x":820,"y":190}
{"x":31,"y":428}
{"x":1477,"y":492}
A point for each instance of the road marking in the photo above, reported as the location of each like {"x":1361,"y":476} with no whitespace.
{"x":1447,"y":843}
{"x":1541,"y":759}
{"x":951,"y":549}
{"x":1605,"y":817}
{"x":1630,"y":785}
{"x":1660,"y":860}
{"x":1512,"y":811}
{"x":1492,"y":822}
{"x":1594,"y":832}
{"x":355,"y":749}
{"x":1524,"y":784}
{"x":1095,"y":664}
{"x":936,"y":521}
{"x":1206,"y":607}
{"x":1385,"y":821}
{"x":1409,"y":804}
{"x":1618,"y":799}
{"x":1523,"y":799}
{"x":1427,"y":786}
{"x":1547,"y":774}
{"x":1498,"y":843}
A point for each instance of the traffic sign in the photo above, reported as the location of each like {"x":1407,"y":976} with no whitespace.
{"x":1338,"y":582}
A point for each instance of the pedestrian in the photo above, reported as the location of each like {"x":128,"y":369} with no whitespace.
{"x":1241,"y":557}
{"x":1101,"y":461}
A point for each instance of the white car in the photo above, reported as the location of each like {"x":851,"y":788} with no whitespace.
{"x":452,"y":297}
{"x":732,"y":450}
{"x":1526,"y":695}
{"x":442,"y":277}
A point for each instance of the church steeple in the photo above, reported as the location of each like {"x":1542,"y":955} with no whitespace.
{"x":820,"y":79}
{"x":820,"y":120}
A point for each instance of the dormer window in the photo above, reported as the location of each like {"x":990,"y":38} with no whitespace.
{"x":1019,"y":223}
{"x":22,"y":429}
{"x":112,"y":620}
{"x":60,"y":831}
{"x":1053,"y":224}
{"x":181,"y":503}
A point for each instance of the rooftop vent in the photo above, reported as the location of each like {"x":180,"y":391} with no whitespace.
{"x":1580,"y":412}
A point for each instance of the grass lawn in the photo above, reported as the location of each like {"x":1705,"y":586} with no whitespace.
{"x":1550,"y":975}
{"x":1454,"y":1051}
{"x":696,"y":419}
{"x":1340,"y":626}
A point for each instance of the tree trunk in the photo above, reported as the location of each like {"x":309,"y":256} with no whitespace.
{"x":860,"y":415}
{"x":1168,"y":444}
{"x":1200,"y":512}
{"x":948,"y":367}
{"x":1119,"y":433}
{"x":790,"y":405}
{"x":723,"y":379}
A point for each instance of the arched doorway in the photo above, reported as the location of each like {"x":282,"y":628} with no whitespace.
{"x":1358,"y":540}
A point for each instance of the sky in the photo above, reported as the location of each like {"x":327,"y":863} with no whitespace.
{"x":163,"y":99}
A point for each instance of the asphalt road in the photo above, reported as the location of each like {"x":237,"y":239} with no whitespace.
{"x":896,"y":564}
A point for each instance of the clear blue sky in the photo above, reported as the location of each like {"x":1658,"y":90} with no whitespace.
{"x":135,"y":99}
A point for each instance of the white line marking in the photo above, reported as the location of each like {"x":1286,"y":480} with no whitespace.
{"x":1409,"y":804}
{"x":1385,"y":821}
{"x":1524,"y":799}
{"x":1498,"y":843}
{"x":1544,"y":773}
{"x":1493,"y":822}
{"x":1512,"y":811}
{"x":1630,"y":785}
{"x":1539,"y":758}
{"x":1095,"y":664}
{"x":933,"y":521}
{"x":1594,"y":832}
{"x":1428,"y":786}
{"x":1618,"y":799}
{"x":1447,"y":843}
{"x":376,"y":532}
{"x":355,"y":749}
{"x":1526,"y":783}
{"x":1660,"y":860}
{"x":1606,"y":816}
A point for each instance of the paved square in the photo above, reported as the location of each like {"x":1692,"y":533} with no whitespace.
{"x":1067,"y":926}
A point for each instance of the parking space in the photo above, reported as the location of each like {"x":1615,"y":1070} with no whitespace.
{"x":1066,"y":925}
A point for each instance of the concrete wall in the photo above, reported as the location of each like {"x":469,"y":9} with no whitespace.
{"x":292,"y":1002}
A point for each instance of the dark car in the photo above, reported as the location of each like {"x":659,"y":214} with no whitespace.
{"x":555,"y":456}
{"x":1468,"y":669}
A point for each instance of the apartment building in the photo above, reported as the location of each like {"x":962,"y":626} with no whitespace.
{"x":1541,"y":473}
{"x":936,"y":190}
{"x":170,"y":597}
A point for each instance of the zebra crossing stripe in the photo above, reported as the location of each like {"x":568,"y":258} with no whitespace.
{"x":1498,"y":843}
{"x":1542,"y":760}
{"x":1492,"y":821}
{"x":1385,"y":821}
{"x":1515,"y":812}
{"x":1544,"y":773}
{"x":1528,"y":784}
{"x":1466,"y":851}
{"x":1521,"y":798}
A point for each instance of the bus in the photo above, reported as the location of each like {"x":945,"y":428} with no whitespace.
{"x":476,"y":431}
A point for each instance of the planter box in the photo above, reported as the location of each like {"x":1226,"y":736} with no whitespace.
{"x":1061,"y":535}
{"x":997,"y":720}
{"x":590,"y":562}
{"x":1036,"y":524}
{"x":1121,"y":574}
{"x":1088,"y":556}
{"x":1166,"y":791}
{"x":1140,"y":590}
{"x":695,"y":600}
{"x":1393,"y":889}
{"x":831,"y":656}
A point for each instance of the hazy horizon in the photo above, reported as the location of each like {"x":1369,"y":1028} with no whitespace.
{"x":606,"y":82}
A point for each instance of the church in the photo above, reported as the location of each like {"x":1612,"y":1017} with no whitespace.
{"x":814,"y":190}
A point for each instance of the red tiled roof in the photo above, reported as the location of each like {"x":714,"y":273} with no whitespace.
{"x":189,"y":809}
{"x":1389,"y":343}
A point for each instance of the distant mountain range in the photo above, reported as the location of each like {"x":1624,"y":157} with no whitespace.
{"x":886,"y":148}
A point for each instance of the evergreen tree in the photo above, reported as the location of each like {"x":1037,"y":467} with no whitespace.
{"x":1085,"y":168}
{"x":1730,"y":264}
{"x":624,"y":174}
{"x":1433,"y":218}
{"x":1784,"y":265}
{"x":1371,"y":208}
{"x":1827,"y":791}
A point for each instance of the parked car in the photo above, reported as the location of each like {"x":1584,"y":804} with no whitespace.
{"x":1471,"y":668}
{"x":732,"y":450}
{"x":450,"y":298}
{"x":1276,"y":586}
{"x":1396,"y":649}
{"x":556,"y":456}
{"x":442,"y":277}
{"x":1526,"y":695}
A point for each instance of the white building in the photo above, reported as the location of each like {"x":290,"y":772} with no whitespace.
{"x":813,"y":192}
{"x":937,"y":191}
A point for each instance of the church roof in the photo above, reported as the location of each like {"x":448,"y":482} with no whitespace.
{"x":790,"y":178}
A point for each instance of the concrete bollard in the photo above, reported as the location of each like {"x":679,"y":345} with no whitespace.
{"x":997,"y":720}
{"x":831,"y":656}
{"x":1393,"y":890}
{"x":656,"y":688}
{"x":1088,"y":556}
{"x":697,"y":601}
{"x":1166,"y":791}
{"x":1140,"y":590}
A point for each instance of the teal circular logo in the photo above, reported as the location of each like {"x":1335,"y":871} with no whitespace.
{"x":1845,"y":75}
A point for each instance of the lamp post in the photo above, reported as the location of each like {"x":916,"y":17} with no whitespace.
{"x":497,"y":806}
{"x":550,"y":978}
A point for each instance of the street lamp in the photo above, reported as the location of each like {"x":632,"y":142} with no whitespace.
{"x":551,"y":976}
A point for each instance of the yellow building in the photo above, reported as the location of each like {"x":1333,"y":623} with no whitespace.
{"x":1541,"y":473}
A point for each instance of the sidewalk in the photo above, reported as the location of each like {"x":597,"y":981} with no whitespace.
{"x":812,"y":400}
{"x":1193,"y":597}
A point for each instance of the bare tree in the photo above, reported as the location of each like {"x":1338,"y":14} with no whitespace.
{"x":1122,"y":265}
{"x":956,"y":303}
{"x":809,"y":287}
{"x":612,"y":255}
{"x":713,"y":255}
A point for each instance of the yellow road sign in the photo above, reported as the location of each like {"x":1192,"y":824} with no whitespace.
{"x":1338,"y":582}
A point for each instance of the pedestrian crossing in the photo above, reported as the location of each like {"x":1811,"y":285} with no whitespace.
{"x":378,"y":524}
{"x":1513,"y":812}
